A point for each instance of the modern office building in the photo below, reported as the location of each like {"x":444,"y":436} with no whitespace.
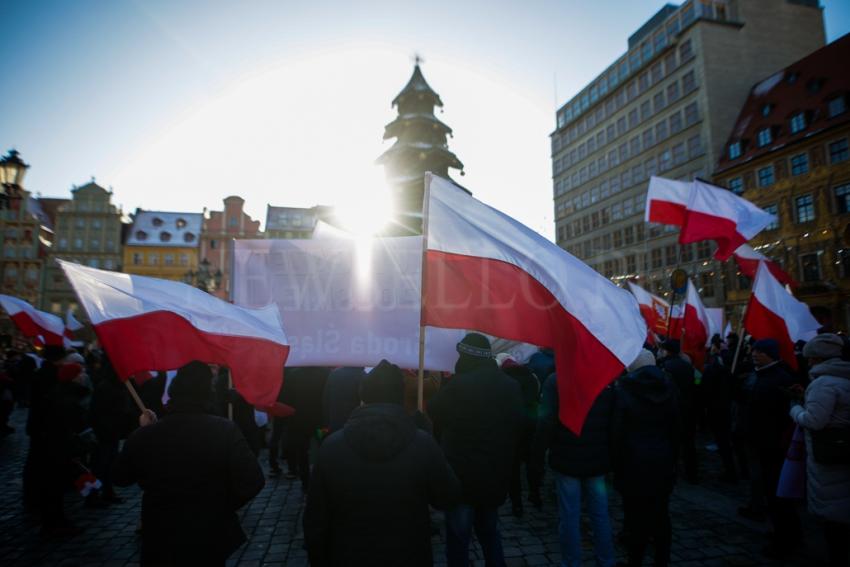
{"x":666,"y":107}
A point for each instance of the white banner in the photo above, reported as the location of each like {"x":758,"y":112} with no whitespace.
{"x":343,"y":302}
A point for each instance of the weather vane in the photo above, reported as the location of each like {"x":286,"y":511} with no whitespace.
{"x":417,"y":59}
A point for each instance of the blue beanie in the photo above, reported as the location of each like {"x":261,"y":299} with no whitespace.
{"x":770,"y":347}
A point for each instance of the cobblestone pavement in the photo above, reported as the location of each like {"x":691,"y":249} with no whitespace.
{"x":706,"y":528}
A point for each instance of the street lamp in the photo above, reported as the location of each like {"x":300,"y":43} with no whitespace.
{"x":204,"y":279}
{"x":12,"y":171}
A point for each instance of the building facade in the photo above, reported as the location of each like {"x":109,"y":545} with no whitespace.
{"x":87,"y":231}
{"x":788,"y":153}
{"x":217,"y":230}
{"x":163,"y":244}
{"x":294,"y":222}
{"x":665,"y":108}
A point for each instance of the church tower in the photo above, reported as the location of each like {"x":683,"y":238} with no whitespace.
{"x":420,"y":146}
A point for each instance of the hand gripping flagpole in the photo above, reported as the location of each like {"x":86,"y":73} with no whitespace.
{"x":420,"y":378}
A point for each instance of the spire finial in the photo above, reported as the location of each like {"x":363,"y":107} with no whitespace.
{"x":417,"y":59}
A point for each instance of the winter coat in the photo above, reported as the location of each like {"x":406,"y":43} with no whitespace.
{"x":827,"y":404}
{"x":66,"y":417}
{"x":479,"y":414}
{"x":112,"y":414}
{"x":195,"y":470}
{"x":303,"y":389}
{"x":578,"y":456}
{"x":682,"y":373}
{"x":765,"y":395}
{"x":530,"y":387}
{"x":646,"y":432}
{"x":370,"y":491}
{"x":43,"y":382}
{"x":341,"y":396}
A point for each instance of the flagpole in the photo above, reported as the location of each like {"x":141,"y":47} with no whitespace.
{"x":420,"y":378}
{"x":741,"y":334}
{"x":135,"y":395}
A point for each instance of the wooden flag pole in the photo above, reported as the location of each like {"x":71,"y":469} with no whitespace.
{"x":229,"y":387}
{"x":420,"y":377}
{"x":135,"y":395}
{"x":741,"y":334}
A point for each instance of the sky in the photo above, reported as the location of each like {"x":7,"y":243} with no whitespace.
{"x":178,"y":104}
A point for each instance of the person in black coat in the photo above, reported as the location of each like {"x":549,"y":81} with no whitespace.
{"x":303,"y":389}
{"x":718,"y":388}
{"x":580,"y":463}
{"x":195,"y":470}
{"x":341,"y":395}
{"x":682,"y":373}
{"x":373,"y":482}
{"x":479,"y":415}
{"x":646,"y":444}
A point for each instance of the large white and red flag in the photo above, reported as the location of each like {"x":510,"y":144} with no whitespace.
{"x":667,"y":200}
{"x":696,"y":325}
{"x":71,"y":327}
{"x":748,"y":260}
{"x":32,"y":323}
{"x":773,"y":313}
{"x":655,"y":310}
{"x":714,"y":213}
{"x":488,"y":272}
{"x":153,"y":324}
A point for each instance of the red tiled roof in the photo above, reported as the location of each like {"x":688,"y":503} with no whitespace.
{"x":805,"y":86}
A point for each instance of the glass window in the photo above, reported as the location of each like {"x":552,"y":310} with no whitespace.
{"x":703,"y":249}
{"x":661,"y":131}
{"x":670,"y":62}
{"x":168,"y":259}
{"x":655,"y":72}
{"x":706,"y":282}
{"x":658,"y":102}
{"x":648,"y":138}
{"x":694,"y":146}
{"x":649,"y":166}
{"x":810,"y":267}
{"x":137,"y":259}
{"x":610,"y":133}
{"x":633,"y":118}
{"x":95,"y":223}
{"x":837,"y":106}
{"x":78,"y":244}
{"x":800,"y":164}
{"x":643,"y":81}
{"x":798,"y":122}
{"x":634,"y":146}
{"x":621,"y":125}
{"x":735,"y":150}
{"x":685,"y":50}
{"x":689,"y":82}
{"x":766,"y":177}
{"x":672,"y":92}
{"x":736,"y":185}
{"x":764,"y":137}
{"x":838,"y":151}
{"x":675,"y":123}
{"x":679,"y":154}
{"x":670,"y":255}
{"x":774,"y":210}
{"x":153,"y":259}
{"x":691,"y":114}
{"x":842,"y":198}
{"x":664,"y":161}
{"x":656,"y":258}
{"x":805,"y":207}
{"x":645,"y":110}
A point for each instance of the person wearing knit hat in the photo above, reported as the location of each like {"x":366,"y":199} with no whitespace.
{"x":379,"y":471}
{"x":765,"y":347}
{"x":826,"y":407}
{"x":644,"y":358}
{"x":479,"y":414}
{"x":196,"y":470}
{"x":678,"y":366}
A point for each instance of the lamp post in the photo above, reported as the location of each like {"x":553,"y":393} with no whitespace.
{"x":204,"y":279}
{"x":12,"y":171}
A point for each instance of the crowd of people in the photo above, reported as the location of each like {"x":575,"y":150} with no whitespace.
{"x":372,"y":466}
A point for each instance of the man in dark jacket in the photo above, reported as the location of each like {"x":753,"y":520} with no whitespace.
{"x":646,"y":442}
{"x":195,"y":470}
{"x":682,"y":373}
{"x":373,"y":482}
{"x":303,"y":389}
{"x":580,"y":464}
{"x":478,"y":413}
{"x":718,"y":387}
{"x":341,"y":395}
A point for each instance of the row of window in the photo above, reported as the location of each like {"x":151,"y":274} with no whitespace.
{"x":105,"y":263}
{"x":11,"y":272}
{"x":12,"y":251}
{"x":662,"y":257}
{"x":153,"y":259}
{"x":805,"y":210}
{"x":94,"y":245}
{"x":94,"y":223}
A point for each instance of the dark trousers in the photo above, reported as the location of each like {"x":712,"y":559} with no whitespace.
{"x":689,"y":445}
{"x":104,"y":456}
{"x":460,"y":522}
{"x":276,"y":441}
{"x":522,"y":455}
{"x":646,"y":516}
{"x":298,"y":448}
{"x":47,"y":479}
{"x":783,"y":515}
{"x":719,"y":421}
{"x":837,"y":537}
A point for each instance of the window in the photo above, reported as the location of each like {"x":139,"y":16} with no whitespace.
{"x":764,"y":137}
{"x":810,"y":267}
{"x":703,"y":249}
{"x":80,"y":223}
{"x":798,"y":122}
{"x":805,"y":207}
{"x":153,"y":259}
{"x":168,"y":259}
{"x":774,"y":210}
{"x":613,"y":159}
{"x":736,"y":185}
{"x":800,"y":164}
{"x":93,"y":263}
{"x":621,"y":125}
{"x":688,"y":82}
{"x":685,"y":50}
{"x":664,"y":161}
{"x":694,"y":146}
{"x":165,"y":236}
{"x":649,"y":167}
{"x":108,"y":264}
{"x":687,"y":252}
{"x":838,"y":151}
{"x":656,"y":71}
{"x":137,"y":259}
{"x":842,"y":198}
{"x":643,"y":82}
{"x":631,"y":265}
{"x":629,"y":235}
{"x":633,"y":118}
{"x":766,"y":177}
{"x":675,"y":123}
{"x":610,"y":133}
{"x":679,"y":154}
{"x":78,"y":244}
{"x":670,"y":62}
{"x":634,"y":146}
{"x":766,"y":109}
{"x":184,"y":259}
{"x":670,"y":255}
{"x":156,"y":221}
{"x":63,"y":244}
{"x":95,"y":223}
{"x":94,"y":244}
{"x":180,"y":223}
{"x":706,"y":282}
{"x":691,"y":114}
{"x":645,"y":110}
{"x":656,"y":258}
{"x":837,"y":106}
{"x":648,"y":138}
{"x":624,"y":151}
{"x":661,"y":131}
{"x":735,"y":150}
{"x":672,"y":92}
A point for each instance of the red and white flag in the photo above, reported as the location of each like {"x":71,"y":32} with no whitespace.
{"x":71,"y":326}
{"x":654,"y":309}
{"x":697,"y":327}
{"x":149,"y":324}
{"x":667,"y":200}
{"x":714,"y":213}
{"x":43,"y":328}
{"x":773,"y":313}
{"x":488,"y":272}
{"x":748,"y":260}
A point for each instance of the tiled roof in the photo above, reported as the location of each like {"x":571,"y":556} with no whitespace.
{"x":158,"y":228}
{"x":807,"y":87}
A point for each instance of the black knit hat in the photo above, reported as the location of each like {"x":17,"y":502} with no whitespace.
{"x":383,"y":385}
{"x":192,"y":383}
{"x":770,"y":347}
{"x":672,"y":346}
{"x":475,"y":345}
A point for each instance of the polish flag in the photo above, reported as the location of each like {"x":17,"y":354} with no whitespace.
{"x":697,"y":327}
{"x":748,"y":262}
{"x":148,"y":324}
{"x":677,"y":317}
{"x":655,"y":310}
{"x":773,"y":313}
{"x":714,"y":213}
{"x":488,"y":272}
{"x":71,"y":326}
{"x":43,"y":328}
{"x":667,"y":200}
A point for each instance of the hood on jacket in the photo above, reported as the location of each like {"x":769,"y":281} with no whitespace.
{"x":831,"y":367}
{"x":379,"y":432}
{"x":649,"y":383}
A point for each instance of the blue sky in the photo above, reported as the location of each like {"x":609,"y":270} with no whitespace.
{"x":179,"y":104}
